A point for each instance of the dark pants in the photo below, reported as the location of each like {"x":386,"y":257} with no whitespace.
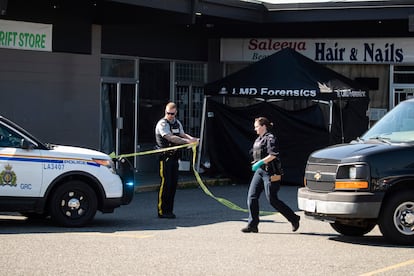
{"x":260,"y":182}
{"x":169,"y":180}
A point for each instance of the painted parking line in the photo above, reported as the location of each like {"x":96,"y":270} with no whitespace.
{"x":117,"y":235}
{"x":388,"y":268}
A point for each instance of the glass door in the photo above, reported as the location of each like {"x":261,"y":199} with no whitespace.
{"x":189,"y":94}
{"x":154,"y":94}
{"x":189,"y":99}
{"x":119,"y":121}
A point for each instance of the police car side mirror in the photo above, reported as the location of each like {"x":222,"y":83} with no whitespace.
{"x":24,"y":144}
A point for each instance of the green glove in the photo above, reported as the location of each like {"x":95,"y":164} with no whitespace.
{"x":257,"y":165}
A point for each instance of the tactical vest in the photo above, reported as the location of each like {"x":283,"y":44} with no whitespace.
{"x":260,"y":147}
{"x":175,"y":130}
{"x":260,"y":152}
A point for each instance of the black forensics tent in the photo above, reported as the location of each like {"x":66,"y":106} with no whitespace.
{"x":228,"y":132}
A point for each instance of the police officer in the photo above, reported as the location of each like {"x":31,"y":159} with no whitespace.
{"x":267,"y":172}
{"x":169,"y":132}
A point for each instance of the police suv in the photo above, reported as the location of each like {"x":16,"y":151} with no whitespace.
{"x":367,"y":182}
{"x":69,"y":184}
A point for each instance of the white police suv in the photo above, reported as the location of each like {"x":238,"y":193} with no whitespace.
{"x":69,"y":184}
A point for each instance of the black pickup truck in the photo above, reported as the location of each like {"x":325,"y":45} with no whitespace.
{"x":367,"y":182}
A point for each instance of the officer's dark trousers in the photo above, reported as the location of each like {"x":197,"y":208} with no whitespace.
{"x":169,"y":180}
{"x":260,"y":182}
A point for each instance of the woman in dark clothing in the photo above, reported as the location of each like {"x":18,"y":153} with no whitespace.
{"x":267,"y":172}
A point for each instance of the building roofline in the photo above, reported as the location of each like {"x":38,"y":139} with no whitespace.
{"x":229,"y":9}
{"x":253,"y":11}
{"x":338,"y":5}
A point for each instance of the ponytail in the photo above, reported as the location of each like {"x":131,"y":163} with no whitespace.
{"x":264,"y":121}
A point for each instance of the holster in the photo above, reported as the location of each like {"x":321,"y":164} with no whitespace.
{"x":169,"y":154}
{"x":275,"y":170}
{"x":275,"y":177}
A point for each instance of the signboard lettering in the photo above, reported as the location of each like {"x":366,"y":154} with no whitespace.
{"x":25,"y":36}
{"x":362,"y":51}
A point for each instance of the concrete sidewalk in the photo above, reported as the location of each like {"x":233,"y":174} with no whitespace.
{"x":151,"y":181}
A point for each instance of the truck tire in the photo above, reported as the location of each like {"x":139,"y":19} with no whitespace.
{"x":351,"y":230}
{"x":396,"y":221}
{"x":73,"y":204}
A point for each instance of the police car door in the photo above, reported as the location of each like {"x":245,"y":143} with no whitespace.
{"x":20,"y":169}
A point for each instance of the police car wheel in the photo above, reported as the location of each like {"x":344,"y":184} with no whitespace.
{"x":73,"y":204}
{"x":396,"y":221}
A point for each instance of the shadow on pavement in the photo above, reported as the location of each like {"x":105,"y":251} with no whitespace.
{"x":379,"y":241}
{"x":367,"y":240}
{"x":192,"y":207}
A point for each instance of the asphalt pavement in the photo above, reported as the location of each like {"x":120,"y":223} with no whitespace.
{"x":204,"y":239}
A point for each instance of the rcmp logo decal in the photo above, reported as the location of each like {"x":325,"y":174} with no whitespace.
{"x":7,"y":176}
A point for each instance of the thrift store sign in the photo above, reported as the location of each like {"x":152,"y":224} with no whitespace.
{"x":25,"y":36}
{"x":381,"y":50}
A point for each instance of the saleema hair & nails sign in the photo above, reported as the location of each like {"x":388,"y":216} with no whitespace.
{"x":363,"y":51}
{"x":25,"y":36}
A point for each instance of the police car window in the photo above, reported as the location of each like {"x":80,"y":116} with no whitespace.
{"x":9,"y":138}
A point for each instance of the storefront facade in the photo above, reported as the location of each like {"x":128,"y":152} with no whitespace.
{"x":100,"y":78}
{"x":107,"y":101}
{"x":134,"y":92}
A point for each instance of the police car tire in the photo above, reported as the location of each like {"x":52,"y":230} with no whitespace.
{"x":73,"y":204}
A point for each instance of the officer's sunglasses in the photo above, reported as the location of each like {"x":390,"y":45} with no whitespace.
{"x":170,"y":113}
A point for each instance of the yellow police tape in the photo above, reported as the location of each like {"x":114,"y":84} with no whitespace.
{"x":223,"y":201}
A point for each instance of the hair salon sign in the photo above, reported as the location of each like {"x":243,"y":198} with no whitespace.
{"x":381,"y":50}
{"x":25,"y":36}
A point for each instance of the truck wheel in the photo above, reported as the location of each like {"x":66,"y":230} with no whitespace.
{"x":396,"y":221}
{"x":351,"y":230}
{"x":73,"y":204}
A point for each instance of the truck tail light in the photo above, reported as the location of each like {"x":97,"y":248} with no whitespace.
{"x":351,"y":185}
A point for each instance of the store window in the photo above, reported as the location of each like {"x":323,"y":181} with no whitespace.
{"x":117,"y":68}
{"x":404,"y":74}
{"x":154,"y":93}
{"x":402,"y":85}
{"x":134,"y":93}
{"x":189,"y":94}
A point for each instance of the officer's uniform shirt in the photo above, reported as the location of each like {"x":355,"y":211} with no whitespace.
{"x":165,"y":127}
{"x":264,"y":146}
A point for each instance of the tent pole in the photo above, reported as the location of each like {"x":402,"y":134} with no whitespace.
{"x":200,"y":145}
{"x":330,"y":116}
{"x":342,"y":121}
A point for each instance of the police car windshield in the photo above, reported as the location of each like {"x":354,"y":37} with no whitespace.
{"x":397,"y":126}
{"x":24,"y":132}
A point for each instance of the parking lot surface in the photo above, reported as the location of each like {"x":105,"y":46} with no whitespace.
{"x":204,"y":239}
